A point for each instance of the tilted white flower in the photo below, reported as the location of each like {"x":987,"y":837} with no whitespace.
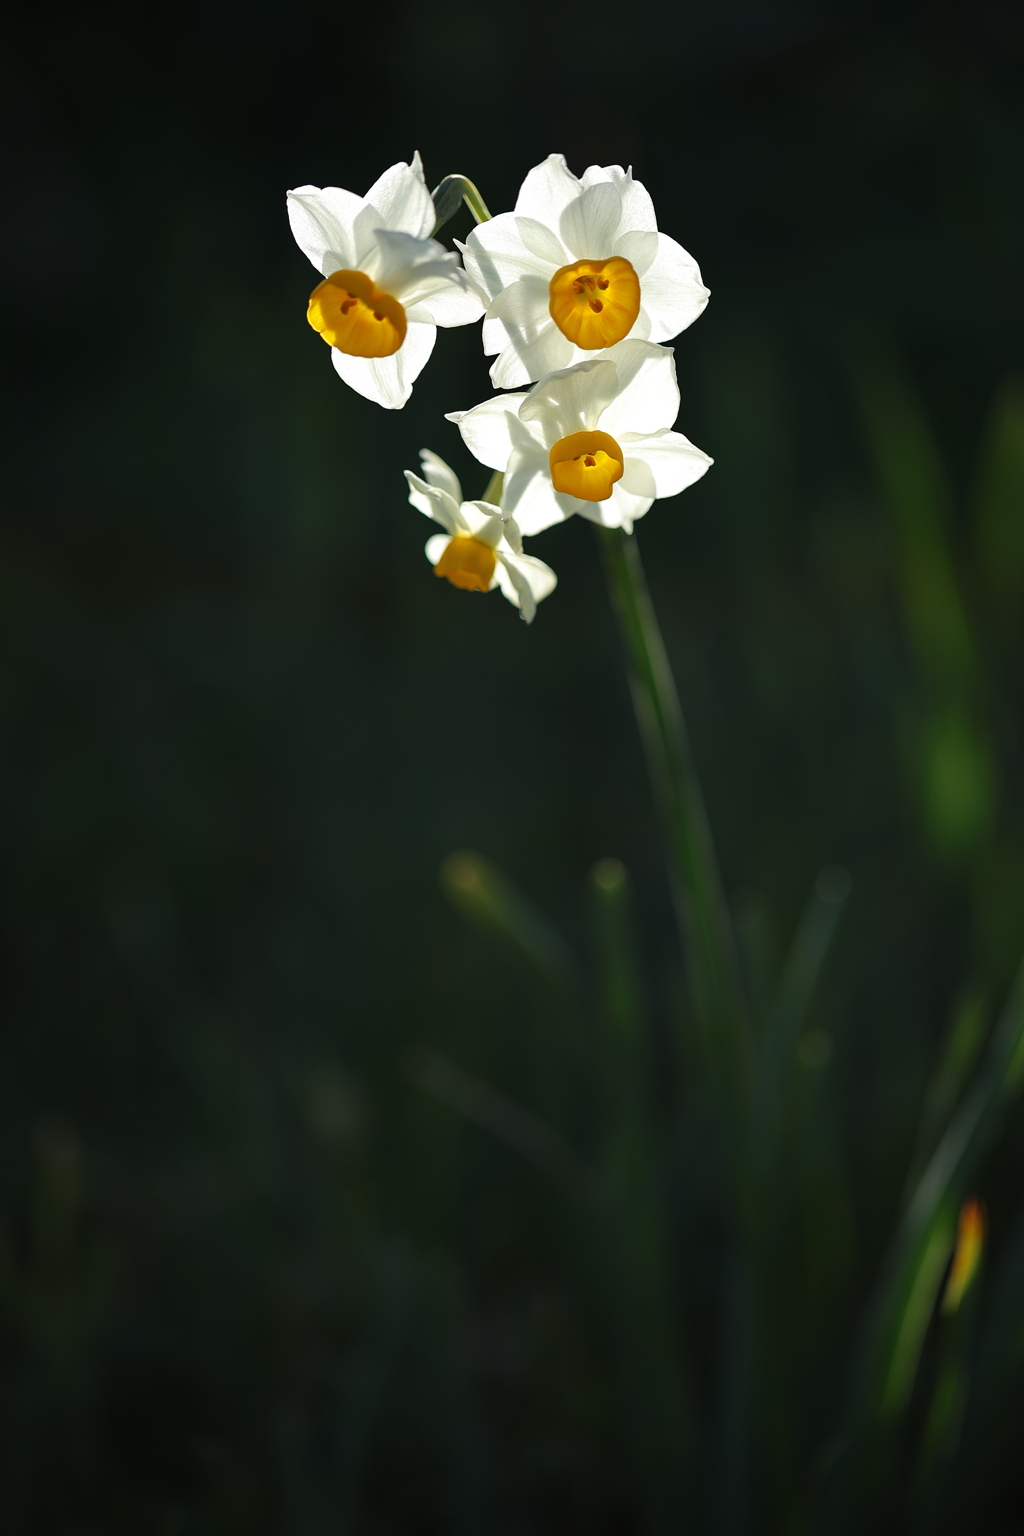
{"x":577,"y":267}
{"x":594,"y":438}
{"x":387,"y":286}
{"x":481,"y":547}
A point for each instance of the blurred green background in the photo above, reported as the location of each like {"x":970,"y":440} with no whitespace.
{"x":292,"y":1157}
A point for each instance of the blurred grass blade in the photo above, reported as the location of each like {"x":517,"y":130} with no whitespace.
{"x":487,"y":900}
{"x":990,"y":1424}
{"x":628,"y":1143}
{"x":909,"y":1288}
{"x":999,"y":495}
{"x":800,"y":977}
{"x":492,"y":1110}
{"x":948,"y":1400}
{"x":956,"y":772}
{"x":960,"y":1053}
{"x":924,"y":1276}
{"x":697,"y":885}
{"x":633,"y":1251}
{"x":954,"y":756}
{"x":914,"y":477}
{"x":624,"y":1046}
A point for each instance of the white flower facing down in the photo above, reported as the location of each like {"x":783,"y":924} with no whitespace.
{"x":481,"y":547}
{"x":577,"y":267}
{"x":387,"y":286}
{"x":594,"y":439}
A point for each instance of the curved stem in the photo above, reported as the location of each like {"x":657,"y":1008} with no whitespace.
{"x":474,"y":202}
{"x":452,"y":191}
{"x":701,"y":908}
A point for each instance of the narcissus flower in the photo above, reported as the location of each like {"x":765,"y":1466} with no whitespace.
{"x":576,"y":268}
{"x":481,"y":545}
{"x":594,"y":438}
{"x":387,"y":286}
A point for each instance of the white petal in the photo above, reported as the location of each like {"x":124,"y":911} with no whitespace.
{"x":388,"y":380}
{"x":619,"y":510}
{"x":525,"y":581}
{"x":590,"y":223}
{"x":571,"y":399}
{"x":448,"y":304}
{"x":529,"y":493}
{"x":662,"y":464}
{"x":522,"y":308}
{"x":519,"y":323}
{"x":513,"y":534}
{"x":542,"y":242}
{"x":436,"y":546}
{"x":647,"y":398}
{"x":322,"y":220}
{"x":637,"y":208}
{"x":434,"y":502}
{"x":547,"y":191}
{"x":507,"y":585}
{"x":440,"y":474}
{"x":518,"y":364}
{"x":402,"y":198}
{"x":671,"y":291}
{"x":496,"y":255}
{"x":490,"y":430}
{"x":640,"y":248}
{"x":407,"y":266}
{"x":483,"y":521}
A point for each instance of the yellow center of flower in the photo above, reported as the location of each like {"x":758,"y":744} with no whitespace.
{"x":354,"y":315}
{"x":468,"y":563}
{"x":586,"y":465}
{"x":595,"y":303}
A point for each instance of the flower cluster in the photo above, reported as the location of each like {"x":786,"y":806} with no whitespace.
{"x":577,"y":289}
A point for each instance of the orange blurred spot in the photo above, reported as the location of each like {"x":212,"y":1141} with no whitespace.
{"x":970,"y":1239}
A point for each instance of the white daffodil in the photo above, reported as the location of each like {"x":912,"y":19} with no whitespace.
{"x":481,"y":545}
{"x":577,"y":267}
{"x":594,"y":438}
{"x":387,"y":286}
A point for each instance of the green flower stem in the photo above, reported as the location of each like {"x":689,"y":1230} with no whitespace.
{"x":474,"y":202}
{"x":696,"y":883}
{"x":636,"y":1259}
{"x":453,"y":191}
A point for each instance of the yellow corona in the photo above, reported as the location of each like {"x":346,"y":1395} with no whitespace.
{"x":586,"y":465}
{"x":467,"y":563}
{"x":595,"y":303}
{"x":353,"y":314}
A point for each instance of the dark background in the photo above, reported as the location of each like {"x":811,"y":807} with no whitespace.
{"x":252,"y":1276}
